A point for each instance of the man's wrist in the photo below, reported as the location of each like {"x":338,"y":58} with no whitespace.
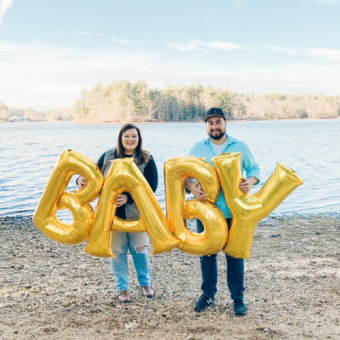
{"x":254,"y":180}
{"x":188,"y":184}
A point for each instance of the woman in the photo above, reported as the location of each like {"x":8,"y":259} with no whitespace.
{"x":129,"y":145}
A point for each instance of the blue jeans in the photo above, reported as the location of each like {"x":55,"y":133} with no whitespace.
{"x":235,"y":272}
{"x":122,"y":243}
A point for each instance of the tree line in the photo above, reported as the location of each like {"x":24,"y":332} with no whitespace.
{"x":122,"y":101}
{"x":10,"y":114}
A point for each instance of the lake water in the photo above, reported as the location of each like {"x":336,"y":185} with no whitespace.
{"x":29,"y":151}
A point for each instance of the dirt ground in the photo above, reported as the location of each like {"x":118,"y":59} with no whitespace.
{"x":53,"y":291}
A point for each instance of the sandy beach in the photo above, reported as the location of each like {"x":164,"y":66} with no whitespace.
{"x":54,"y":291}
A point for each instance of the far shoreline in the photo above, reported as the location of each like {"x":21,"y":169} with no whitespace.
{"x":273,"y":215}
{"x":165,"y":122}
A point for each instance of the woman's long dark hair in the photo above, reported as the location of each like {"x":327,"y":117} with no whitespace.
{"x":140,"y":155}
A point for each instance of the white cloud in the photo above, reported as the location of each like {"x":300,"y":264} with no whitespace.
{"x":214,"y":45}
{"x":4,"y":6}
{"x":322,"y":53}
{"x":286,"y":50}
{"x":325,"y":53}
{"x":121,"y":41}
{"x":46,"y":76}
{"x":34,"y":49}
{"x":295,"y":79}
{"x":184,"y":48}
{"x":218,"y":45}
{"x":88,"y":33}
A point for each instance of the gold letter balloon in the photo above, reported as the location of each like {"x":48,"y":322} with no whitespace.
{"x":165,"y":233}
{"x":248,"y":209}
{"x":55,"y":197}
{"x":125,"y":176}
{"x":215,"y":233}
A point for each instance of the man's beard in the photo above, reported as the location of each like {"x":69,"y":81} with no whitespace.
{"x":217,"y":137}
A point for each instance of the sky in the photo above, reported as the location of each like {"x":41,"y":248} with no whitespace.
{"x":51,"y":49}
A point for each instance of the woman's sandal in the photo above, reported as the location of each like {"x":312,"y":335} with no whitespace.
{"x":124,"y":296}
{"x":148,"y":292}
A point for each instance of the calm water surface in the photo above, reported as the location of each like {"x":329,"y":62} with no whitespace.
{"x":29,"y":151}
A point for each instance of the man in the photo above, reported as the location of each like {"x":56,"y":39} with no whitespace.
{"x":217,"y":143}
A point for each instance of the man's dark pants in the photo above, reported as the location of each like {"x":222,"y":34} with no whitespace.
{"x":235,"y":272}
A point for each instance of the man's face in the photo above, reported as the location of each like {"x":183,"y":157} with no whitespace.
{"x":216,"y":127}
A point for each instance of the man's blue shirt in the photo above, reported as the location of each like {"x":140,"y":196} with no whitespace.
{"x":203,"y":149}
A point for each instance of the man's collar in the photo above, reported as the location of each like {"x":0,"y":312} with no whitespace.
{"x":230,"y":139}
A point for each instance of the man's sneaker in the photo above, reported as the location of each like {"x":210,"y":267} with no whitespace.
{"x":203,"y":302}
{"x":239,"y":307}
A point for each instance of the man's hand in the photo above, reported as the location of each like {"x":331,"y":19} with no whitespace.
{"x":121,"y":200}
{"x":247,"y":183}
{"x":82,"y":181}
{"x":193,"y":187}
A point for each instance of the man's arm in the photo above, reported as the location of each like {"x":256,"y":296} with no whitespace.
{"x":252,"y":170}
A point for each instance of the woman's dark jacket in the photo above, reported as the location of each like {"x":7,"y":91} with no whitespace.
{"x":149,"y":170}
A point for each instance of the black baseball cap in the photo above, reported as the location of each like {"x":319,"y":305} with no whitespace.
{"x":213,"y":112}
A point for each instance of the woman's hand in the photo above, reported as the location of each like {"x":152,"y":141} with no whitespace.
{"x":121,"y":200}
{"x":82,"y":181}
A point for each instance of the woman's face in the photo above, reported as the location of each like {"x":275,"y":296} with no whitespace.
{"x":130,"y":141}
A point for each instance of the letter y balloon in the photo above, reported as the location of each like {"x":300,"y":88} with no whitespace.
{"x":248,"y":209}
